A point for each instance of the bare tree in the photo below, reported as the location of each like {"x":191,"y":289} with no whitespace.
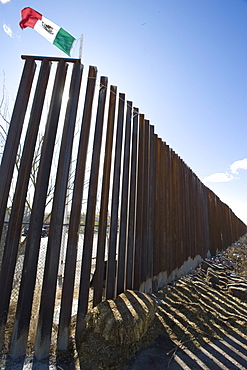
{"x":4,"y":120}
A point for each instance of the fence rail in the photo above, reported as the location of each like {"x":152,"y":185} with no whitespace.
{"x":146,"y":214}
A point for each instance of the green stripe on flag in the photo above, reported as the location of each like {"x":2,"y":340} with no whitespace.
{"x":64,"y":41}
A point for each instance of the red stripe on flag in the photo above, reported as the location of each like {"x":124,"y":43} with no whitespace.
{"x":29,"y":17}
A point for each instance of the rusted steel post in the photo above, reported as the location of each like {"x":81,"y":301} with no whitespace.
{"x":215,"y":226}
{"x":192,"y":214}
{"x":14,"y":134}
{"x":121,"y":271}
{"x":177,"y":211}
{"x":217,"y":220}
{"x":185,"y":226}
{"x":213,"y":223}
{"x":201,"y":230}
{"x":167,"y":207}
{"x":156,"y":258}
{"x":162,"y":209}
{"x":18,"y":205}
{"x":151,"y":205}
{"x":234,"y":228}
{"x":180,"y":240}
{"x":205,"y":220}
{"x":103,"y":218}
{"x":216,"y":223}
{"x":139,"y":206}
{"x":188,"y":213}
{"x":132,"y":203}
{"x":223,"y":226}
{"x":220,"y":223}
{"x":201,"y":234}
{"x":168,"y":218}
{"x":111,"y":268}
{"x":182,"y":237}
{"x":71,"y":254}
{"x":159,"y":207}
{"x":145,"y":202}
{"x":202,"y":241}
{"x":43,"y":336}
{"x":91,"y":207}
{"x":234,"y":236}
{"x":184,"y":229}
{"x":173,"y":211}
{"x":176,"y":219}
{"x":230,"y":226}
{"x":193,"y":217}
{"x":209,"y":203}
{"x":196,"y":216}
{"x":220,"y":220}
{"x":171,"y":225}
{"x":24,"y":306}
{"x":227,"y":229}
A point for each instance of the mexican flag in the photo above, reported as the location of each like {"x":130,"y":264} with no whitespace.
{"x":52,"y":32}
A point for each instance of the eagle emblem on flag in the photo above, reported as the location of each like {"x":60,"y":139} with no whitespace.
{"x":48,"y":28}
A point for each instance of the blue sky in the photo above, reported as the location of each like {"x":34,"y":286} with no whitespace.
{"x":183,"y":63}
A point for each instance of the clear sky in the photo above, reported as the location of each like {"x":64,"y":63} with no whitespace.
{"x":183,"y":63}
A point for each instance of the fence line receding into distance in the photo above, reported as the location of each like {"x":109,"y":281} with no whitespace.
{"x":119,"y":203}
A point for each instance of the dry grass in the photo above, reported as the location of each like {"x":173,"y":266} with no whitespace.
{"x":191,"y":312}
{"x":33,"y":322}
{"x":237,"y":253}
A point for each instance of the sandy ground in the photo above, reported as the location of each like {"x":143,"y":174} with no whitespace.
{"x":228,"y":353}
{"x":200,"y":323}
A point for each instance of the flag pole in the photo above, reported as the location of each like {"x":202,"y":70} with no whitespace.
{"x":80,"y":49}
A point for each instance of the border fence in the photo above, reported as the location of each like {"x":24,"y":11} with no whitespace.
{"x":123,"y":210}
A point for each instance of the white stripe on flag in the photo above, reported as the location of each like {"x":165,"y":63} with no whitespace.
{"x":47,"y":29}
